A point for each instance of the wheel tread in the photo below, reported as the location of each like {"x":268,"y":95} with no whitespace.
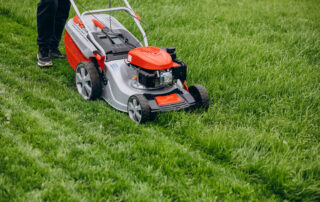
{"x":201,"y":96}
{"x":145,"y":108}
{"x":94,"y":79}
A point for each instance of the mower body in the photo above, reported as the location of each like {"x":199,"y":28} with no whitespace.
{"x":121,"y":79}
{"x":112,"y":64}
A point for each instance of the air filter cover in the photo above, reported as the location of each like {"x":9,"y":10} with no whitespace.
{"x":150,"y":58}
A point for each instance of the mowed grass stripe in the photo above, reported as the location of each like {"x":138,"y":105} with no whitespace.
{"x":26,"y":172}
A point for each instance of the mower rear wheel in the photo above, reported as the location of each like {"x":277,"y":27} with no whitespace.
{"x":139,"y":109}
{"x":200,"y":94}
{"x":88,"y":80}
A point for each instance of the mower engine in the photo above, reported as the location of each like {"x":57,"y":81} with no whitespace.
{"x":157,"y":67}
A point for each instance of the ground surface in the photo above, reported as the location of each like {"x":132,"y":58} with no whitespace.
{"x":259,"y":140}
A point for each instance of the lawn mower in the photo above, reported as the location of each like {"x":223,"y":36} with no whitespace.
{"x":112,"y":64}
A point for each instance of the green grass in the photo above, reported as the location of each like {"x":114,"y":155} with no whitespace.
{"x":259,"y":60}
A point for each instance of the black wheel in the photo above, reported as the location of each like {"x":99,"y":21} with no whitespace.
{"x":139,"y":109}
{"x":88,"y":80}
{"x":200,"y":94}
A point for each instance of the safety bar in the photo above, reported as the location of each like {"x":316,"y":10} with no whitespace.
{"x":128,"y":10}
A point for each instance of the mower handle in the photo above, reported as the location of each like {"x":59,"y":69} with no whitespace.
{"x":90,"y":36}
{"x":127,"y":9}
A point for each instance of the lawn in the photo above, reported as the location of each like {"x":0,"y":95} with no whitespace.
{"x":259,"y":141}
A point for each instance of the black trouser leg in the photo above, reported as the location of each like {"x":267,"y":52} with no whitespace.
{"x":46,"y":21}
{"x":51,"y":18}
{"x":61,"y":17}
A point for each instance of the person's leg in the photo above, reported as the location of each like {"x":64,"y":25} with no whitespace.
{"x":46,"y":12}
{"x":60,"y":21}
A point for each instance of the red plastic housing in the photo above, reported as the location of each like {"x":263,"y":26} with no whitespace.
{"x":74,"y":54}
{"x":77,"y":21}
{"x":150,"y":58}
{"x":168,"y":99}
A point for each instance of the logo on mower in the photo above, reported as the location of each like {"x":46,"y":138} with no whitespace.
{"x":114,"y":66}
{"x":129,"y":58}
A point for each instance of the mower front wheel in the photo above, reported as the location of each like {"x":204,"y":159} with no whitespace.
{"x":88,"y":80}
{"x":200,"y":94}
{"x":139,"y":109}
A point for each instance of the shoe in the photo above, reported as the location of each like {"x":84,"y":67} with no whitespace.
{"x":43,"y":57}
{"x":55,"y":53}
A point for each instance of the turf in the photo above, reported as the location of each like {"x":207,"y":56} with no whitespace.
{"x":259,"y":141}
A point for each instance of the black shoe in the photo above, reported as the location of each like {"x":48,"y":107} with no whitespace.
{"x":55,"y":53}
{"x":43,"y":57}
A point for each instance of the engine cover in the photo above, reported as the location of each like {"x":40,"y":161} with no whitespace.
{"x":150,"y":58}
